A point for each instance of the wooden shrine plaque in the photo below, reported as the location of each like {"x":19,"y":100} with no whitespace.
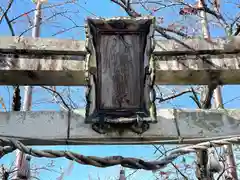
{"x":119,"y":51}
{"x":120,"y":71}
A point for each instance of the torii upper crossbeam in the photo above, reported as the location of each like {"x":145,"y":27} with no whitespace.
{"x":32,"y":61}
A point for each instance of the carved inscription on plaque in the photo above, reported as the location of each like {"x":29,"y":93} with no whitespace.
{"x":120,"y":71}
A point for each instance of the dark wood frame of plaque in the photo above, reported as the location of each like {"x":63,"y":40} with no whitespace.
{"x":134,"y":30}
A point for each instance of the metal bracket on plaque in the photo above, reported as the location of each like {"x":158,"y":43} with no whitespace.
{"x":120,"y":73}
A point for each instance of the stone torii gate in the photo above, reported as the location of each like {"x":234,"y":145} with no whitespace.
{"x":119,"y":63}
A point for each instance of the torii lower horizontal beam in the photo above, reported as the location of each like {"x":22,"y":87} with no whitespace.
{"x":41,"y":61}
{"x":174,"y":126}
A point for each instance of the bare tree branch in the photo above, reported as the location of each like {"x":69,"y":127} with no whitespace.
{"x":43,"y":21}
{"x":59,"y":95}
{"x":164,"y":153}
{"x":8,"y":22}
{"x":173,"y":96}
{"x":4,"y":15}
{"x":66,"y":30}
{"x":45,"y":7}
{"x":162,"y":30}
{"x":6,"y":11}
{"x":237,"y":30}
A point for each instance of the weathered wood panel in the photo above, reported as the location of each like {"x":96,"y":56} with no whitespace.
{"x":51,"y":127}
{"x":120,"y":71}
{"x":118,"y":51}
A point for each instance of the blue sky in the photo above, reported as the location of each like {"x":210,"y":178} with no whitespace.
{"x":101,"y":8}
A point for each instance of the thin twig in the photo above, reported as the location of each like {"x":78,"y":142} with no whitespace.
{"x":66,"y":30}
{"x":173,"y":96}
{"x":42,"y":22}
{"x":185,"y":177}
{"x":45,"y":7}
{"x":59,"y":95}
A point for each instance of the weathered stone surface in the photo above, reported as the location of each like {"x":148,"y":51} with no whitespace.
{"x":33,"y":61}
{"x":192,"y":69}
{"x":38,"y":69}
{"x":52,"y":127}
{"x":73,"y":46}
{"x":66,"y":46}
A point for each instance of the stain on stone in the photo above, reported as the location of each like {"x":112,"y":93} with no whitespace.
{"x":39,"y":66}
{"x":203,"y":119}
{"x":16,"y":56}
{"x":31,"y":75}
{"x":68,"y":74}
{"x":4,"y":60}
